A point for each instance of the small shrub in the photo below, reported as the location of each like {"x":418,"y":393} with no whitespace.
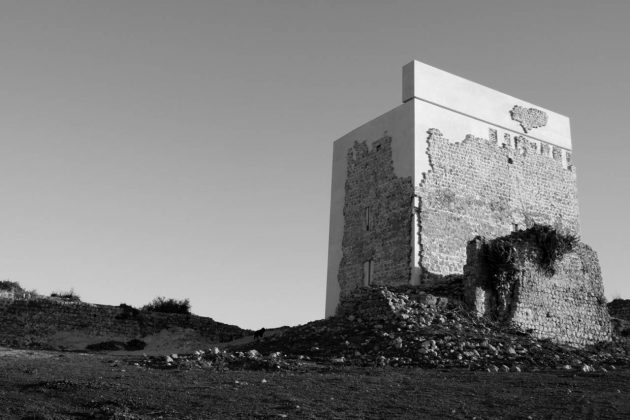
{"x":15,"y":290}
{"x":67,"y":295}
{"x":170,"y":305}
{"x":553,"y":245}
{"x":10,"y":286}
{"x":504,"y":257}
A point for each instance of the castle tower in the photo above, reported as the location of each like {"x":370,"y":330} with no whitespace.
{"x":455,"y":160}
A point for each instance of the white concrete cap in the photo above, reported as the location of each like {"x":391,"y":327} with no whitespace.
{"x":425,"y":83}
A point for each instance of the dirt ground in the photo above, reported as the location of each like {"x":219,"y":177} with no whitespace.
{"x":66,"y":385}
{"x":167,"y":341}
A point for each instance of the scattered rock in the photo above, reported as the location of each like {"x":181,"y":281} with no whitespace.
{"x":405,"y":327}
{"x":254,"y":354}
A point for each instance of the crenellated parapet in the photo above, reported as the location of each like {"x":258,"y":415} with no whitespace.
{"x":519,"y":144}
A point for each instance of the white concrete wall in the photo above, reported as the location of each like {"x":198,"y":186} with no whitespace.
{"x":478,"y":102}
{"x":398,"y":124}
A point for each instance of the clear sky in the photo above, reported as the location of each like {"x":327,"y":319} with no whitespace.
{"x":184,"y":148}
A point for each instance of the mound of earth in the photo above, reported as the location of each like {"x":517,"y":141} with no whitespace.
{"x":381,"y":326}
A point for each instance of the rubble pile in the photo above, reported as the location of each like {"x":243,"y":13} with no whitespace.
{"x":220,"y":360}
{"x":378,"y":326}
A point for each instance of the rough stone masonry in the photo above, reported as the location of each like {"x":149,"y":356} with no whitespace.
{"x":377,"y":228}
{"x":563,"y":301}
{"x":455,"y":161}
{"x":478,"y":188}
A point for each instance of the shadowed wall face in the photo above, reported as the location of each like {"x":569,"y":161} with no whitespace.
{"x":565,"y":304}
{"x":376,"y":241}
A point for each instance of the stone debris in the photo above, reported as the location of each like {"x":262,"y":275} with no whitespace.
{"x":414,"y":329}
{"x":221,"y":360}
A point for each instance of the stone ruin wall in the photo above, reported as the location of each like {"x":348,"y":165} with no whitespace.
{"x":479,"y":187}
{"x":373,"y":305}
{"x":35,"y":320}
{"x":371,"y":184}
{"x":567,"y":306}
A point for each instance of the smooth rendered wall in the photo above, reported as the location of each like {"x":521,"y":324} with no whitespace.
{"x":397,"y":124}
{"x":460,"y":107}
{"x":479,"y":102}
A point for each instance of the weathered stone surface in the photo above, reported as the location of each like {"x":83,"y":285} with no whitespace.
{"x":565,"y":303}
{"x":476,"y":188}
{"x":383,"y":237}
{"x":529,"y":118}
